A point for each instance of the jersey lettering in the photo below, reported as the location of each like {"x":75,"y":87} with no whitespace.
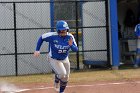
{"x":61,"y":47}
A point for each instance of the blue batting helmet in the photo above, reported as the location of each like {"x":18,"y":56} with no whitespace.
{"x":61,"y":25}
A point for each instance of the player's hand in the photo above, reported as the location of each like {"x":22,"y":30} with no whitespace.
{"x":70,"y":42}
{"x":36,"y":53}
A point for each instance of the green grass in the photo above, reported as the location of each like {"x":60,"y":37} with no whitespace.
{"x":76,"y":77}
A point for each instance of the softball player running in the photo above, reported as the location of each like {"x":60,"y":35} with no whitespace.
{"x":60,"y":44}
{"x":137,"y":33}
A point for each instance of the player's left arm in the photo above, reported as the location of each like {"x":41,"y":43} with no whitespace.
{"x":73,"y":44}
{"x":137,"y":31}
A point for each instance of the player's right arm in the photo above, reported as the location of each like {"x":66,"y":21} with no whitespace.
{"x":44,"y":37}
{"x":39,"y":43}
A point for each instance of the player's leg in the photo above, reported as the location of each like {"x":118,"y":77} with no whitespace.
{"x":56,"y":82}
{"x":64,"y":80}
{"x":136,"y":64}
{"x":63,"y":77}
{"x":55,"y":67}
{"x":60,"y":71}
{"x":137,"y":59}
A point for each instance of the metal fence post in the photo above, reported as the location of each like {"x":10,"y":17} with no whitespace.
{"x":15,"y":37}
{"x":77,"y":36}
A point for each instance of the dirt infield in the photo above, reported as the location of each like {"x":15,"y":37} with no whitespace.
{"x":98,"y":87}
{"x":120,"y":81}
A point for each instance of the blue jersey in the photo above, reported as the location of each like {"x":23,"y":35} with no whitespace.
{"x":59,"y":46}
{"x":137,"y":30}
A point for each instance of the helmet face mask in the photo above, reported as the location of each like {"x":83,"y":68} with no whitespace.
{"x":61,"y":25}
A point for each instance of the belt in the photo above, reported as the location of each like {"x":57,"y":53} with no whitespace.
{"x":56,"y":58}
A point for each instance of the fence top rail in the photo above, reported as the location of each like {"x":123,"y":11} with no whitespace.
{"x":51,"y":1}
{"x":79,"y":27}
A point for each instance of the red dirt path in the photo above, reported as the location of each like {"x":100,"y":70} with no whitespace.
{"x":98,"y":87}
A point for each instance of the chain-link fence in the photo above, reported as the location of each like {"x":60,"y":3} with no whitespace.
{"x":21,"y":23}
